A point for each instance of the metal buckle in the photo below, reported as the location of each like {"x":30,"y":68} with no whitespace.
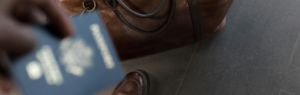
{"x":85,"y":8}
{"x":88,"y":8}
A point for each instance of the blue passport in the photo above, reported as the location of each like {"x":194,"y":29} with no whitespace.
{"x":81,"y":64}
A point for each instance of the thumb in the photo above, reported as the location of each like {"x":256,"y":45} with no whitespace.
{"x":4,"y":65}
{"x":6,"y":84}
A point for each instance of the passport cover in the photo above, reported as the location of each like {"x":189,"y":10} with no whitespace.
{"x":81,"y":64}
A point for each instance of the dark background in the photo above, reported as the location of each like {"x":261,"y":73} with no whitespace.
{"x":257,"y":53}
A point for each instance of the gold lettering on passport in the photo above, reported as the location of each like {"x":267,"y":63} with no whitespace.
{"x":34,"y":70}
{"x":52,"y":72}
{"x":76,"y":56}
{"x":47,"y":65}
{"x":102,"y":45}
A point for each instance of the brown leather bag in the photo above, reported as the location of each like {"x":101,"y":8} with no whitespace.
{"x":180,"y":22}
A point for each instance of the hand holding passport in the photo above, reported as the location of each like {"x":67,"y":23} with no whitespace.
{"x":81,"y":64}
{"x":15,"y":36}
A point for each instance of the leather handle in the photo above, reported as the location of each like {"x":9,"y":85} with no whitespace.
{"x":143,"y":15}
{"x":196,"y":19}
{"x":163,"y":27}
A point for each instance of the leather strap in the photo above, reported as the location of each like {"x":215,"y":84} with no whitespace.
{"x":196,"y":19}
{"x":163,"y":27}
{"x":142,"y":15}
{"x":194,"y":11}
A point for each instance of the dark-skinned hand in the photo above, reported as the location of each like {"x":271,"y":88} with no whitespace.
{"x":16,"y":38}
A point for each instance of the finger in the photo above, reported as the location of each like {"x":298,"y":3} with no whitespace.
{"x":6,"y":5}
{"x":15,"y":39}
{"x":4,"y":64}
{"x":29,"y":14}
{"x":5,"y":85}
{"x":57,"y":17}
{"x":8,"y":87}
